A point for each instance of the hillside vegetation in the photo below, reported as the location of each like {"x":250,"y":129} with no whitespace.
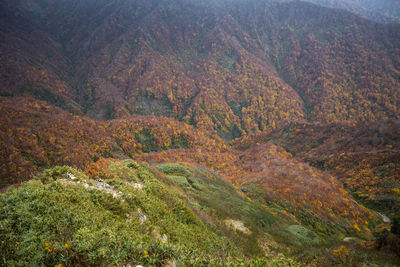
{"x":231,"y":67}
{"x":199,"y":133}
{"x":365,"y":157}
{"x":35,"y":134}
{"x":124,"y":213}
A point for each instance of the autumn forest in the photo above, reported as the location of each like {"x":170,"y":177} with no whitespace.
{"x":286,"y":113}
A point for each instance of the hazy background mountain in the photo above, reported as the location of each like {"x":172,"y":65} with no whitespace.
{"x":385,"y":11}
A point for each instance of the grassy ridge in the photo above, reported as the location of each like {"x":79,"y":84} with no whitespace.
{"x":65,"y":217}
{"x":126,"y":213}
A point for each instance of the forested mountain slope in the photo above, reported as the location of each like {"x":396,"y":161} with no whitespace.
{"x":365,"y":157}
{"x":270,"y":116}
{"x":232,"y":67}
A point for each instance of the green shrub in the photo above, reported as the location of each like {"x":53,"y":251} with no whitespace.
{"x":180,"y":180}
{"x":124,"y":170}
{"x":60,"y":172}
{"x":174,"y":169}
{"x":303,"y":235}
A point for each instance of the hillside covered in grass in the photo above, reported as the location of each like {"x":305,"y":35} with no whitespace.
{"x":173,"y":214}
{"x":135,"y":214}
